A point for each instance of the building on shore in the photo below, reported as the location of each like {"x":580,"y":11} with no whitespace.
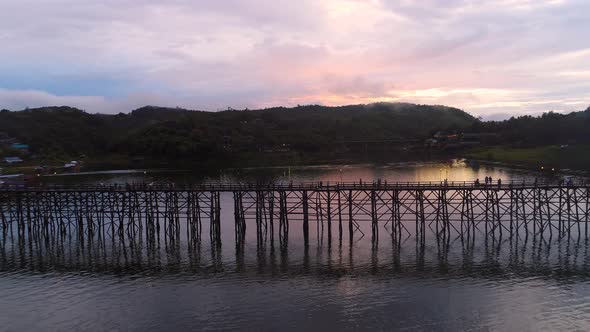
{"x":20,"y":148}
{"x":13,"y":160}
{"x":73,"y":166}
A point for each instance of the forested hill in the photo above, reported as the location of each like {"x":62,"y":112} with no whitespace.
{"x":172,"y":132}
{"x":548,"y":129}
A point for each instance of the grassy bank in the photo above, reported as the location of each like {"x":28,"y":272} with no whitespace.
{"x":572,"y":157}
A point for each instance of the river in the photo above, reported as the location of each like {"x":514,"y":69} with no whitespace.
{"x":506,"y":284}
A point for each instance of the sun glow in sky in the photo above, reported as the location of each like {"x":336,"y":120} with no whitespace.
{"x":490,"y":58}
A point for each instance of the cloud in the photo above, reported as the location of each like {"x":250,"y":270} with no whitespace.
{"x":487,"y":57}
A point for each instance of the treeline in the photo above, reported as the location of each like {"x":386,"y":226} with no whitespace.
{"x":177,"y":133}
{"x":548,"y":129}
{"x":169,"y":133}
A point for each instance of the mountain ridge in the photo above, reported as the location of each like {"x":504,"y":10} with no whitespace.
{"x":177,"y":132}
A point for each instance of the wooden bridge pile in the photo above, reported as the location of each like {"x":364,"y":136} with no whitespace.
{"x":401,"y":209}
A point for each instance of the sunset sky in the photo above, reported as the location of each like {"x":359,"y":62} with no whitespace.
{"x":491,"y":58}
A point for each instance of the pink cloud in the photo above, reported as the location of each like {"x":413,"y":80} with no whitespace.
{"x":487,"y":57}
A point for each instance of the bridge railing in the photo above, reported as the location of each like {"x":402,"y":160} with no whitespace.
{"x":287,"y":186}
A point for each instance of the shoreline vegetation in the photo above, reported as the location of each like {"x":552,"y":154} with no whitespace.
{"x":241,"y":161}
{"x":542,"y":158}
{"x":571,"y":159}
{"x":172,"y":138}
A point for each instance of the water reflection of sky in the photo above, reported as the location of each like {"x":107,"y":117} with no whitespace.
{"x":315,"y":302}
{"x":453,"y":170}
{"x":509,"y":283}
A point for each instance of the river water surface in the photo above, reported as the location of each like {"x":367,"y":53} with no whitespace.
{"x":508,"y":284}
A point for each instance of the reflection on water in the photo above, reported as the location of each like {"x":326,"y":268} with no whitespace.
{"x":70,"y":281}
{"x":482,"y":283}
{"x":452,"y":170}
{"x":178,"y":252}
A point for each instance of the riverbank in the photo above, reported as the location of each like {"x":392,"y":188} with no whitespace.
{"x":232,"y":161}
{"x":553,"y":159}
{"x":543,"y":158}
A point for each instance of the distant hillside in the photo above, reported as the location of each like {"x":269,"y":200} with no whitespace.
{"x":56,"y":130}
{"x":547,"y":129}
{"x":170,"y":132}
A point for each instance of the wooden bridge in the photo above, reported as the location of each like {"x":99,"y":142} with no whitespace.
{"x":340,"y":210}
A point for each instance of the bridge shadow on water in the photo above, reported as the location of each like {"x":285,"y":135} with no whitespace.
{"x":409,"y":257}
{"x":373,"y":230}
{"x":180,"y":252}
